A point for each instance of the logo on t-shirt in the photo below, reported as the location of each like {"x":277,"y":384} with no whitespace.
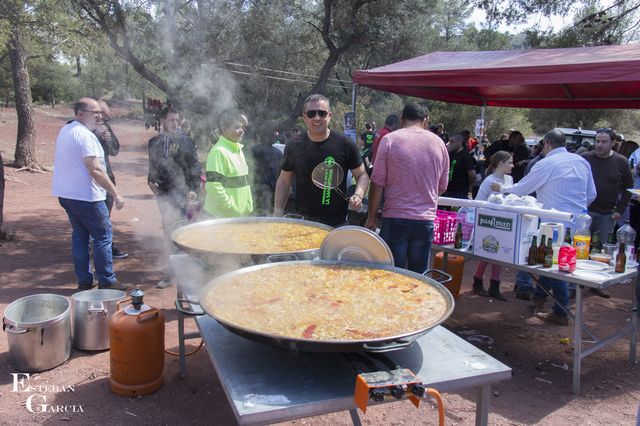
{"x":329,"y":180}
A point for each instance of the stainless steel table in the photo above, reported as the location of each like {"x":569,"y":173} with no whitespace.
{"x":579,"y":353}
{"x":268,"y":385}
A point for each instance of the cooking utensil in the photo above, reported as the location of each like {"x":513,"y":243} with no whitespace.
{"x":381,"y":344}
{"x":91,"y":312}
{"x":357,"y":244}
{"x":38,"y":330}
{"x":329,"y":175}
{"x":237,"y":260}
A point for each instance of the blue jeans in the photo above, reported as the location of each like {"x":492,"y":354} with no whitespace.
{"x":409,"y":241}
{"x":90,"y":220}
{"x":523,"y":280}
{"x":560,"y":291}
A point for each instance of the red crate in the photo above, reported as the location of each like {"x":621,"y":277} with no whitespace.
{"x":444,"y":231}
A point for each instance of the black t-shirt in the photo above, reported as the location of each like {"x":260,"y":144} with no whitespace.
{"x":459,"y":165}
{"x":367,"y":138}
{"x":301,"y":156}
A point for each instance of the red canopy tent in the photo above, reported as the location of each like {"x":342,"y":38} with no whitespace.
{"x":582,"y":77}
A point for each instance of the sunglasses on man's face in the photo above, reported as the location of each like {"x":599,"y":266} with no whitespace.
{"x":312,"y":113}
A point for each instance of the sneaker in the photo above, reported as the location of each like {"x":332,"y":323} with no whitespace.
{"x":165,"y":282}
{"x":524,"y":295}
{"x":601,"y":292}
{"x":83,"y":287}
{"x":116,"y":285}
{"x":553,"y":318}
{"x":117,"y":254}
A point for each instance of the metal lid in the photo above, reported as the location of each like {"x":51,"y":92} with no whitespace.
{"x":357,"y":244}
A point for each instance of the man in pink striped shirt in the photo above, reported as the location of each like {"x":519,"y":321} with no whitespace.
{"x":412,"y":165}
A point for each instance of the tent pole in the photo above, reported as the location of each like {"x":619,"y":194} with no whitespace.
{"x":354,"y":89}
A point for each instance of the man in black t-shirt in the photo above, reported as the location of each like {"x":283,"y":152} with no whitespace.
{"x":367,"y":137}
{"x":462,"y":172}
{"x":302,"y":154}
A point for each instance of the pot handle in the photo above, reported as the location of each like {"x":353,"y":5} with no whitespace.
{"x":93,"y":309}
{"x":396,"y":344}
{"x":357,"y":251}
{"x":443,"y":276}
{"x":11,"y":329}
{"x":190,"y":311}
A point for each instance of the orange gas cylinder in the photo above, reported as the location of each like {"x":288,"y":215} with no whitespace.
{"x":455,"y":268}
{"x":136,"y":337}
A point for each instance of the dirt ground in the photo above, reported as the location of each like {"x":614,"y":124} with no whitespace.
{"x":38,"y":260}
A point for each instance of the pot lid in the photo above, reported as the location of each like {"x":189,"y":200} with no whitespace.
{"x":357,"y":244}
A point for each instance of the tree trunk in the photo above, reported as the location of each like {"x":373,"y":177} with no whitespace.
{"x":78,"y":67}
{"x":25,"y":155}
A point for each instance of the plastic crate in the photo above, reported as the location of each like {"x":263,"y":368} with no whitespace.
{"x":444,"y":231}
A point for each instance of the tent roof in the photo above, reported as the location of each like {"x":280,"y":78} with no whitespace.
{"x":582,"y":77}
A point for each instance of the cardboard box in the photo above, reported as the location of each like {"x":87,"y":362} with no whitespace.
{"x":503,"y":236}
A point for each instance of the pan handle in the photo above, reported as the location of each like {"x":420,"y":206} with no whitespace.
{"x":180,"y":306}
{"x":293,"y":216}
{"x":275,"y":258}
{"x":395,"y":345}
{"x":443,"y":276}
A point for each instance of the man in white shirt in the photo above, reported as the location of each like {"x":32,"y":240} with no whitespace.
{"x":80,"y":182}
{"x":561,"y":181}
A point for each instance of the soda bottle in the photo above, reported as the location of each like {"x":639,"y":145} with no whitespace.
{"x":548,"y":255}
{"x":567,"y":237}
{"x":582,"y":237}
{"x":533,"y":252}
{"x":542,"y":249}
{"x":621,"y":259}
{"x":458,"y":239}
{"x":596,"y":246}
{"x":627,"y":235}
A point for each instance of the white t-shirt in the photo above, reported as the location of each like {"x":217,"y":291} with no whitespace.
{"x":485,"y":187}
{"x":71,"y":179}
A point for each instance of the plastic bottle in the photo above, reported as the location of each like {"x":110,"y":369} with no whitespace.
{"x":627,"y":235}
{"x":582,"y":237}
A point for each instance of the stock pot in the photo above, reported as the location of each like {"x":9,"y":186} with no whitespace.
{"x":92,"y":310}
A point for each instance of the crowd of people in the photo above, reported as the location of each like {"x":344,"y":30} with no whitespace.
{"x":403,"y":168}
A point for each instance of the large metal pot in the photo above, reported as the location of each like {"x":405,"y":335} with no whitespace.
{"x":38,"y":330}
{"x":383,"y":344}
{"x":92,"y":310}
{"x":232,"y":261}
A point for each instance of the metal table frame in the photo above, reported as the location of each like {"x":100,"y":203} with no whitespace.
{"x":579,"y":353}
{"x":269,"y":385}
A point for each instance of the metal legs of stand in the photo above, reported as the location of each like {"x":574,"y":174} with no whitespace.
{"x":185,"y":309}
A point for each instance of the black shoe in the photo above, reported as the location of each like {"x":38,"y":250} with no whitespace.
{"x":494,"y":291}
{"x":601,"y":292}
{"x":117,"y":254}
{"x":524,"y":295}
{"x":478,"y":287}
{"x":553,"y":318}
{"x":83,"y":287}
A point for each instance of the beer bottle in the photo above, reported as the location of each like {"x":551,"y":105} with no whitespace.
{"x":533,"y":252}
{"x":458,"y":241}
{"x":596,"y":245}
{"x":542,"y":249}
{"x":548,"y":254}
{"x":567,"y":237}
{"x":621,"y":259}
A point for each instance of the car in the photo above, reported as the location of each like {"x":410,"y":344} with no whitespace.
{"x":578,"y":136}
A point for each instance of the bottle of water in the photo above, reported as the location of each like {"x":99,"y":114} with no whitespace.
{"x":627,"y":235}
{"x":582,"y":237}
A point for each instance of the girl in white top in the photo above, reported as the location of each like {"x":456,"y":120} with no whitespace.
{"x":500,"y":166}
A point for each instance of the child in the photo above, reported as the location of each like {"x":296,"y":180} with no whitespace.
{"x":500,"y":166}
